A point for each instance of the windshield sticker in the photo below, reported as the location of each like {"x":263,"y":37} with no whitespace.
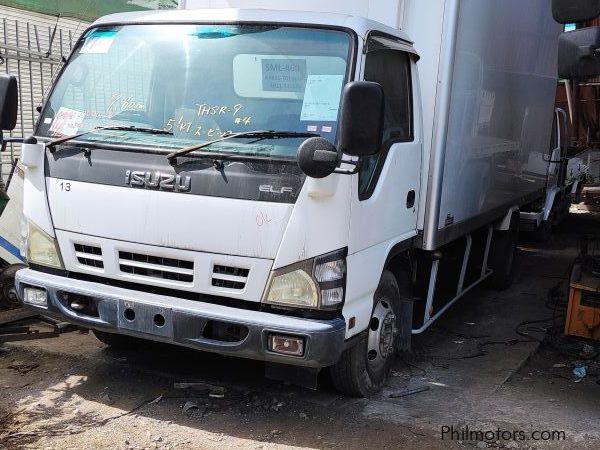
{"x":99,"y":41}
{"x":322,"y":98}
{"x":312,"y":128}
{"x":326,"y":129}
{"x":284,"y":75}
{"x":66,"y":122}
{"x":48,"y":120}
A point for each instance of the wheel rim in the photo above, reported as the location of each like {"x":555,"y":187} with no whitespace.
{"x":382,"y":335}
{"x":9,"y":295}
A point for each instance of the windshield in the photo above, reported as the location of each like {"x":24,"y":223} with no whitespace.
{"x":199,"y":82}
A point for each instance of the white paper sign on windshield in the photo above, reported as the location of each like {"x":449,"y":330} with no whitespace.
{"x":66,"y":121}
{"x":322,"y":98}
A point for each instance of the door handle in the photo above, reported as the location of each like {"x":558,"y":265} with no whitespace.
{"x":410,"y":199}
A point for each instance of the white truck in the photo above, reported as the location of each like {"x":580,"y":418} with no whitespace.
{"x":304,"y":188}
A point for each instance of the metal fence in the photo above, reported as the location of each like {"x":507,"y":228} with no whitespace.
{"x":32,"y":47}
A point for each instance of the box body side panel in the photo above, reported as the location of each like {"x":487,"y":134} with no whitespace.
{"x":500,"y":114}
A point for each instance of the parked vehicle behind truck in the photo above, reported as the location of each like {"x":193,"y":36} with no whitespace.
{"x":563,"y":175}
{"x":306,"y":189}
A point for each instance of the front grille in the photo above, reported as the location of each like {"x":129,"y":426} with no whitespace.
{"x":229,"y":277}
{"x":156,"y":267}
{"x":88,"y":255}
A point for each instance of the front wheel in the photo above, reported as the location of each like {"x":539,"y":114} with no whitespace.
{"x":364,"y":368}
{"x":8,"y":292}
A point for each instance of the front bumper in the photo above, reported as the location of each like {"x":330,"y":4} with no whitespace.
{"x":185,"y":321}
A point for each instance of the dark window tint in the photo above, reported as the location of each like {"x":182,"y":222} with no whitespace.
{"x":391,"y":69}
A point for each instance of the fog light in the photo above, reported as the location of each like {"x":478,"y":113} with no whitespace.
{"x":286,"y":345}
{"x":35,"y":296}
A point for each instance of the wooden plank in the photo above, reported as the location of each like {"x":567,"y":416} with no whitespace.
{"x":15,"y":314}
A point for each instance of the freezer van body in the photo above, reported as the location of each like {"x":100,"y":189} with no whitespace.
{"x":488,"y":82}
{"x":167,"y":189}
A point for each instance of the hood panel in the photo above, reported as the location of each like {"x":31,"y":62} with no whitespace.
{"x":168,"y":219}
{"x":270,"y":180}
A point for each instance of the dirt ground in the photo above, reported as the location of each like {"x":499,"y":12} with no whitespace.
{"x":482,"y":368}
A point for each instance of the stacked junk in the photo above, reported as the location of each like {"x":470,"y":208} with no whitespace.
{"x":579,"y":93}
{"x":16,"y":322}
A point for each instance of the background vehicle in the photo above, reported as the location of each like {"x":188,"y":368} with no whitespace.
{"x":159,"y":207}
{"x":563,"y":177}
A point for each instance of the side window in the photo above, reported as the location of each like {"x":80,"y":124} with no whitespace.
{"x":391,"y":69}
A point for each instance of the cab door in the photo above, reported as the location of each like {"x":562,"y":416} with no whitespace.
{"x":386,"y":193}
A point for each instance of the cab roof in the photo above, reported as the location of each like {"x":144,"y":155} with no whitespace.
{"x":359,"y":24}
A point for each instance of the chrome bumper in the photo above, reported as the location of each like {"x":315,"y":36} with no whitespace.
{"x":185,"y":320}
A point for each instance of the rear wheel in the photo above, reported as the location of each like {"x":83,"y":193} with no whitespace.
{"x":364,"y":368}
{"x":115,"y":340}
{"x":502,"y":256}
{"x":544,"y":230}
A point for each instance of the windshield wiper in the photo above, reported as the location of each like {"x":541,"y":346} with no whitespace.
{"x":244,"y":134}
{"x":53,"y":143}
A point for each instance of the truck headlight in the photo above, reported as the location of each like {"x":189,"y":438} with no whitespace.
{"x":317,"y":283}
{"x":41,"y":248}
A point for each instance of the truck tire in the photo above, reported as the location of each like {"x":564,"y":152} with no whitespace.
{"x":544,"y":230}
{"x":502,"y":256}
{"x":364,"y":368}
{"x":116,"y":340}
{"x":8,"y":293}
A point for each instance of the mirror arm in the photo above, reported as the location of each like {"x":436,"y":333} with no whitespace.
{"x":8,"y":140}
{"x":347,"y":172}
{"x":357,"y":165}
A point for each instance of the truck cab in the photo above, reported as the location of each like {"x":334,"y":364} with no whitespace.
{"x":165,"y":199}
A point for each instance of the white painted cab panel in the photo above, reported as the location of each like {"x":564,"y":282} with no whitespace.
{"x":172,"y":220}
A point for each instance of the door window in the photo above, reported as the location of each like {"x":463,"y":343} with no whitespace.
{"x":391,"y":69}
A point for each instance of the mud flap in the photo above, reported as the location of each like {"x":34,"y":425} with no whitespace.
{"x":405,"y":324}
{"x":305,"y":377}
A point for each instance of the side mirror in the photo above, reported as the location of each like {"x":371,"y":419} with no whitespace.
{"x":571,"y":11}
{"x":317,"y":157}
{"x":9,"y":101}
{"x":361,"y":125}
{"x":579,"y":53}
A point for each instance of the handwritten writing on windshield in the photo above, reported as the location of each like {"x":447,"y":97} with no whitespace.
{"x":180,"y":126}
{"x":218,"y":110}
{"x":204,"y":120}
{"x":205,"y":109}
{"x":117,"y":104}
{"x":125,"y":103}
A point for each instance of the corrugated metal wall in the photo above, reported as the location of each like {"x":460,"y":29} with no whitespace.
{"x":25,"y":52}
